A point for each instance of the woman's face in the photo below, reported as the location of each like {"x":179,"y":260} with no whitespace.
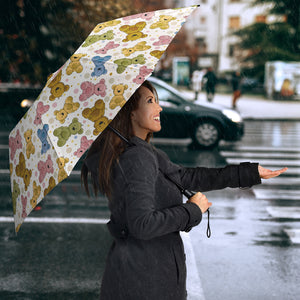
{"x":146,"y":119}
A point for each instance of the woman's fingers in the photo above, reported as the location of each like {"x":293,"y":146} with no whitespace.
{"x":267,"y":174}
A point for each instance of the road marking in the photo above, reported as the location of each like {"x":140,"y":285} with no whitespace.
{"x":265,"y":149}
{"x":265,"y":194}
{"x":193,"y":281}
{"x":294,"y":235}
{"x":260,"y":155}
{"x":282,"y":212}
{"x":57,"y":220}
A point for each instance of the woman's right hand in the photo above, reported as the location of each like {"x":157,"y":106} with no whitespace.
{"x":201,"y":200}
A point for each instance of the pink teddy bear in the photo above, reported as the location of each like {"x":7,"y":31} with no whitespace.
{"x":89,"y":89}
{"x":24,"y":203}
{"x":110,"y":45}
{"x":15,"y":143}
{"x":163,"y":40}
{"x":142,"y":74}
{"x":41,"y":109}
{"x":146,"y":16}
{"x":45,"y":167}
{"x":84,"y":145}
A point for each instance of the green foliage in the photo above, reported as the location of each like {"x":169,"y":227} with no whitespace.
{"x":271,"y":41}
{"x":38,"y":36}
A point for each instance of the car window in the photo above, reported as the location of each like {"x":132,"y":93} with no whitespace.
{"x":166,"y":98}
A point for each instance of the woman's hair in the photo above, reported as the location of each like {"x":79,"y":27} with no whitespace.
{"x":109,"y":146}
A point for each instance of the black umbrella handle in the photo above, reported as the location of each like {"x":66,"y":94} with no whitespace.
{"x":190,"y":194}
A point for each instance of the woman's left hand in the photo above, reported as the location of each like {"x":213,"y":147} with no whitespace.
{"x":266,"y":173}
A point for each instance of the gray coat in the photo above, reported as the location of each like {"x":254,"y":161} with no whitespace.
{"x":147,"y":260}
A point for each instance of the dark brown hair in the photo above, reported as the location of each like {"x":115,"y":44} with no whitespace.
{"x":109,"y":146}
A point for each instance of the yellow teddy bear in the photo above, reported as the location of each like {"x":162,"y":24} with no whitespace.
{"x":101,"y":26}
{"x":134,"y":32}
{"x":163,"y":22}
{"x":75,"y":65}
{"x":68,"y":108}
{"x":62,"y":174}
{"x":36,"y":194}
{"x":96,"y":115}
{"x":30,"y":149}
{"x":138,"y":47}
{"x":118,"y":98}
{"x":57,"y":87}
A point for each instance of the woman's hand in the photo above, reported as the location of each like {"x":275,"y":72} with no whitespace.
{"x":201,"y":201}
{"x":266,"y":174}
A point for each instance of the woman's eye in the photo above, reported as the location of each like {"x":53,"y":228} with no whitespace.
{"x":150,"y":100}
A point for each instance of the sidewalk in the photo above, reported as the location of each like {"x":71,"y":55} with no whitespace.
{"x":256,"y":107}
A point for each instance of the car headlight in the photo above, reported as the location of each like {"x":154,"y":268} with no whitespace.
{"x":232,"y":115}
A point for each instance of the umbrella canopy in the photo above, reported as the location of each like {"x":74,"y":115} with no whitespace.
{"x":81,"y":98}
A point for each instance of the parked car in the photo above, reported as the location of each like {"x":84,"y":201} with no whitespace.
{"x":206,"y":123}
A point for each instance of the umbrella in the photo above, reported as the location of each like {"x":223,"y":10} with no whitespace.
{"x":81,"y":98}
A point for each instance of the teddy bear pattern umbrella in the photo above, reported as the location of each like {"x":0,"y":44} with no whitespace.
{"x":81,"y":98}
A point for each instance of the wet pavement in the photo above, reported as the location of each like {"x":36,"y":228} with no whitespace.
{"x":249,"y":255}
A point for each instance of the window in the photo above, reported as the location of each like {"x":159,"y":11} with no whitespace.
{"x":234,"y":22}
{"x":231,"y":50}
{"x":260,"y":19}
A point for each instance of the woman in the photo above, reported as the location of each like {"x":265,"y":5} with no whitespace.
{"x":147,"y":260}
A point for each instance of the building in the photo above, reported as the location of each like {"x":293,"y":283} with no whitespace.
{"x":212,"y":25}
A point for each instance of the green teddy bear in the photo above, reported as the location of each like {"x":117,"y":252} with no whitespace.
{"x":15,"y":195}
{"x":123,"y":63}
{"x":109,"y":35}
{"x":64,"y":132}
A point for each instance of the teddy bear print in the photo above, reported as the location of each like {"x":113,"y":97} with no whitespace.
{"x":40,"y":110}
{"x":22,"y":171}
{"x":101,"y":26}
{"x":163,"y":40}
{"x":89,"y":89}
{"x":24,"y":203}
{"x":51,"y":185}
{"x":42,"y":135}
{"x":99,"y":65}
{"x":62,"y":174}
{"x":68,"y":108}
{"x":64,"y":132}
{"x":57,"y":87}
{"x":134,"y":32}
{"x":118,"y":98}
{"x":144,"y":71}
{"x":30,"y":149}
{"x":91,"y":39}
{"x":146,"y":16}
{"x":138,"y":47}
{"x":36,"y":194}
{"x":96,"y":115}
{"x":75,"y":65}
{"x":45,"y":167}
{"x":15,"y":143}
{"x":107,"y":47}
{"x":163,"y":22}
{"x":157,"y":53}
{"x":123,"y":63}
{"x":84,"y":145}
{"x":15,"y":194}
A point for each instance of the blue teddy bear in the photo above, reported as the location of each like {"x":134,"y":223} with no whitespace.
{"x":42,"y":134}
{"x":99,"y":65}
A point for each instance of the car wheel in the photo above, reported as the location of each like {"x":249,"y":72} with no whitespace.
{"x":206,"y":134}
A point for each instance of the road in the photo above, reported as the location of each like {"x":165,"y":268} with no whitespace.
{"x":253,"y":253}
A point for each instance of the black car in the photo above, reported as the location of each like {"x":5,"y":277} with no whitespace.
{"x":206,"y":123}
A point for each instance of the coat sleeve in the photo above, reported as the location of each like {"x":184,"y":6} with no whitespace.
{"x":143,"y":220}
{"x":243,"y":175}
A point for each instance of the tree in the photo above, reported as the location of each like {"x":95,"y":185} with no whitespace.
{"x":279,"y":40}
{"x":38,"y":36}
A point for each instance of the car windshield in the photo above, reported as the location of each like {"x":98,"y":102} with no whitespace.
{"x":167,"y":98}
